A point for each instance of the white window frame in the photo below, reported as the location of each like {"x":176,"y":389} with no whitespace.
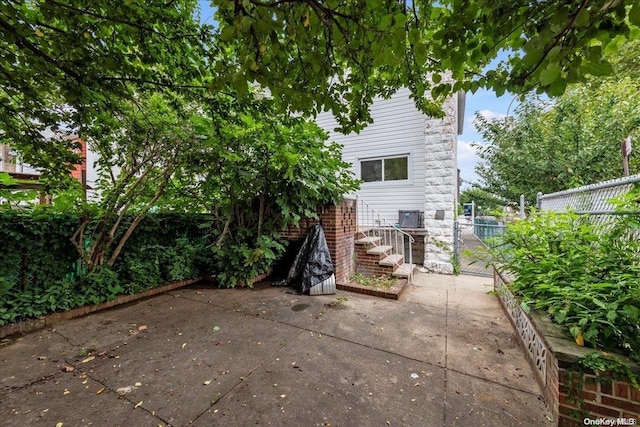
{"x":383,"y":183}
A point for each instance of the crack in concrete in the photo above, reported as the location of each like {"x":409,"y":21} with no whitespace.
{"x":446,"y":356}
{"x":237,"y":384}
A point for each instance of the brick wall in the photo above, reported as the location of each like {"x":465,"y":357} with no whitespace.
{"x":367,"y":264}
{"x":339,"y":225}
{"x":605,"y":399}
{"x":608,"y":399}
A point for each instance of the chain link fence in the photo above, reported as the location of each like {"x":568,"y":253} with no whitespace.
{"x":592,"y":199}
{"x":473,"y":238}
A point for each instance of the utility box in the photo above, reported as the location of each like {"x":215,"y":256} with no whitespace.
{"x":409,"y":219}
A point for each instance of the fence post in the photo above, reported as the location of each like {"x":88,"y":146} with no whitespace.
{"x":522,"y":215}
{"x":539,"y":200}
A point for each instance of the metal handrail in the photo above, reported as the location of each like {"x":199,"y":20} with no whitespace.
{"x":369,"y":218}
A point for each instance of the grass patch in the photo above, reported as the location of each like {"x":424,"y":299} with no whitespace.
{"x":380,"y":282}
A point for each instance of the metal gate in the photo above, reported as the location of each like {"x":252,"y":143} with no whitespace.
{"x":471,"y":238}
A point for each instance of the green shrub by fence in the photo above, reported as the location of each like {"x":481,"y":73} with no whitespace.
{"x":40,"y":270}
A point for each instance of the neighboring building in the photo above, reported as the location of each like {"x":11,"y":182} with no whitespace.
{"x":407,"y":162}
{"x":10,"y":162}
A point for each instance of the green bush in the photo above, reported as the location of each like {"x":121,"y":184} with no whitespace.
{"x":40,"y":270}
{"x":585,"y":276}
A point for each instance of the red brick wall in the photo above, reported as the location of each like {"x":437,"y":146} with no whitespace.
{"x":339,"y":225}
{"x":603,"y":399}
{"x":367,"y":264}
{"x":77,"y":169}
{"x":609,"y":399}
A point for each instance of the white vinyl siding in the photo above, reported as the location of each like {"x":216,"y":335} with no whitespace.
{"x":397,"y":130}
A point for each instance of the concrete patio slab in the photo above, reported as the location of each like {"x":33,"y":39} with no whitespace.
{"x":475,"y":402}
{"x":209,"y":357}
{"x":315,"y":382}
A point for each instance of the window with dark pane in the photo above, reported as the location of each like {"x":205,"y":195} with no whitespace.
{"x":371,"y":170}
{"x":396,"y":169}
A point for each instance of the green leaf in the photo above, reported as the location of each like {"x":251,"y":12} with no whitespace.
{"x":550,"y":74}
{"x":634,"y":14}
{"x":597,"y":68}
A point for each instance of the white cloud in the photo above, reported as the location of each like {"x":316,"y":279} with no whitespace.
{"x":470,"y":120}
{"x":467,"y":153}
{"x":467,"y":160}
{"x":491,"y":115}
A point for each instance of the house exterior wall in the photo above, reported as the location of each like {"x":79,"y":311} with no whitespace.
{"x":397,"y":129}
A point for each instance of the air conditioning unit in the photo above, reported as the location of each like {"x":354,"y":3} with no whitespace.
{"x":409,"y":219}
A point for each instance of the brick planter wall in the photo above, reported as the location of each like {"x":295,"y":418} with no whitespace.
{"x":551,"y":354}
{"x":339,"y":225}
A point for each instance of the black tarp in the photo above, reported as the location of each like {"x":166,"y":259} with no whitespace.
{"x":312,"y":265}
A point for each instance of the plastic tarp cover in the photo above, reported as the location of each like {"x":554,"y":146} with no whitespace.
{"x":312,"y":264}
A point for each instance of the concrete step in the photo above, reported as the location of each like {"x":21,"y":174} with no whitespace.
{"x":405,"y":270}
{"x":371,"y":240}
{"x":364,"y":230}
{"x":393,"y":259}
{"x":379,"y":250}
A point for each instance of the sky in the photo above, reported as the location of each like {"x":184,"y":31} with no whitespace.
{"x":491,"y":107}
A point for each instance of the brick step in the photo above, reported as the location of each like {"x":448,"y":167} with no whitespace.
{"x":379,"y":250}
{"x":393,"y":259}
{"x":405,"y":270}
{"x":371,"y":240}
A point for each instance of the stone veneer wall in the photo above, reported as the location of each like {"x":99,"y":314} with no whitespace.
{"x":441,"y":187}
{"x":551,"y":355}
{"x":339,"y":225}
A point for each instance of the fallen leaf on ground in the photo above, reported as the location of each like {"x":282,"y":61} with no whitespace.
{"x":69,"y":368}
{"x":59,"y":424}
{"x":138,"y":384}
{"x":142,"y":327}
{"x":216,"y":328}
{"x":184,"y":345}
{"x":283,"y":396}
{"x":139,"y":404}
{"x":88,"y":359}
{"x":100,"y":390}
{"x":416,"y":385}
{"x":66,"y":391}
{"x":207,"y":382}
{"x":125,"y":390}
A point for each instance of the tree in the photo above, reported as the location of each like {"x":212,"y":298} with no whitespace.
{"x":65,"y":60}
{"x":138,"y":153}
{"x":256,"y":171}
{"x":554,"y":145}
{"x":485,"y":202}
{"x":345,"y":53}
